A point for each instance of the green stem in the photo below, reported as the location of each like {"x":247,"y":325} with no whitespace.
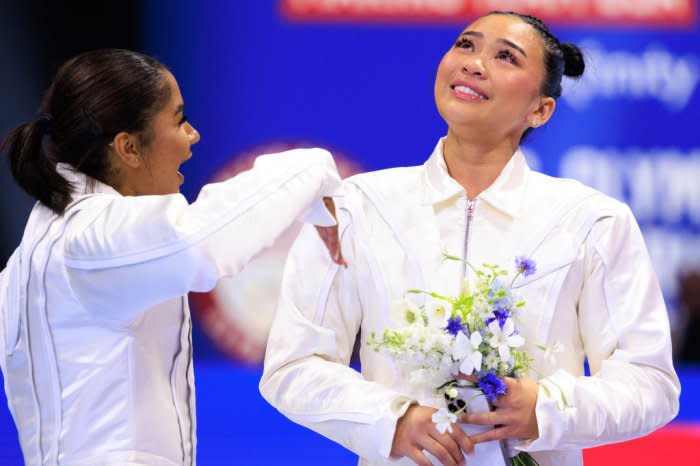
{"x":430,"y":293}
{"x":459,"y":259}
{"x":515,"y":278}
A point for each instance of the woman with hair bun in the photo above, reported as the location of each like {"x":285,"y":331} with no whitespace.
{"x":95,"y":330}
{"x":594,"y":291}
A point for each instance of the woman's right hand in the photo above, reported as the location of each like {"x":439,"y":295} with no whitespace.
{"x":416,"y":432}
{"x":329,"y":235}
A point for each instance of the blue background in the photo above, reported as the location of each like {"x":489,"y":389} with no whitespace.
{"x":251,"y":78}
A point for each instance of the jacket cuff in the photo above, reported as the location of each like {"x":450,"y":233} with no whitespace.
{"x":555,"y":410}
{"x":387,"y":428}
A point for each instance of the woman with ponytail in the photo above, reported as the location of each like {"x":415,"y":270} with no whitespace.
{"x":593,"y":293}
{"x":95,"y":330}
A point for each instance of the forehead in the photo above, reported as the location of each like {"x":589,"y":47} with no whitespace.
{"x":511,"y":28}
{"x":175,"y":96}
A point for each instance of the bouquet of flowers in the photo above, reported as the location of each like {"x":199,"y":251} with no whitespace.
{"x":473,"y":334}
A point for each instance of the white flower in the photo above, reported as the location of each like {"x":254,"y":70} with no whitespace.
{"x":404,"y":312}
{"x":443,"y":420}
{"x":550,"y":351}
{"x":467,"y":351}
{"x":438,"y":311}
{"x":504,"y":339}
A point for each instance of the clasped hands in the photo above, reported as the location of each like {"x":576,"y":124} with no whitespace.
{"x":513,"y":416}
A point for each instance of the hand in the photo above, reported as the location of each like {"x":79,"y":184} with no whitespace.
{"x":514,"y":416}
{"x":329,"y":235}
{"x":415,"y":432}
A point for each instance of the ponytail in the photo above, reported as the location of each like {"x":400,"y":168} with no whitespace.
{"x":33,"y":167}
{"x":93,"y":97}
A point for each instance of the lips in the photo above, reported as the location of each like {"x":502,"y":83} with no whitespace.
{"x":468,"y":92}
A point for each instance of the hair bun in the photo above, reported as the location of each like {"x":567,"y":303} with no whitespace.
{"x":574,"y":64}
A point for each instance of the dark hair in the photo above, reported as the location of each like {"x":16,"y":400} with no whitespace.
{"x":560,"y":59}
{"x":93,"y":96}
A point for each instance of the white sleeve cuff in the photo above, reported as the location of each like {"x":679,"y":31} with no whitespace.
{"x":554,"y":409}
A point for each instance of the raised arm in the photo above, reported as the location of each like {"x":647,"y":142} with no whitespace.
{"x":132,"y":252}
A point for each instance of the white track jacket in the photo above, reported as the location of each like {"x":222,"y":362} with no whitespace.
{"x":594,"y":292}
{"x":95,"y":331}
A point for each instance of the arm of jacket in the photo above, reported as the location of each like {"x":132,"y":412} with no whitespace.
{"x":625,"y":332}
{"x":134,"y":252}
{"x":306,"y":373}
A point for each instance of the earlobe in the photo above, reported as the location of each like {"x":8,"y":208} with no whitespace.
{"x":542,"y":113}
{"x":126,"y":148}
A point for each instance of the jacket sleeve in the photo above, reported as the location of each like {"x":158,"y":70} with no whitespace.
{"x":633,"y":388}
{"x":124,"y":254}
{"x":306,"y":374}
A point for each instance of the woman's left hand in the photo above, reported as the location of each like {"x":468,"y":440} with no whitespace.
{"x":514,"y":416}
{"x":329,"y":235}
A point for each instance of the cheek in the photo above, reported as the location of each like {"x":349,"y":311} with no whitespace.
{"x":520,"y":88}
{"x":444,"y":69}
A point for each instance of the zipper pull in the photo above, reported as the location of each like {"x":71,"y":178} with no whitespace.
{"x":470,"y":208}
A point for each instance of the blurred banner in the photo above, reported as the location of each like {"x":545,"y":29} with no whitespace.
{"x":646,"y":12}
{"x":356,"y":76}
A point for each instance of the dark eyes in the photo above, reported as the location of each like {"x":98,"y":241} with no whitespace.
{"x":464,"y":43}
{"x":183,"y":120}
{"x":504,"y":54}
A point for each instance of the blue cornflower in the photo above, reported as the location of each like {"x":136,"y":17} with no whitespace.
{"x":499,"y":314}
{"x":492,"y":386}
{"x":454,"y":325}
{"x":525,"y":266}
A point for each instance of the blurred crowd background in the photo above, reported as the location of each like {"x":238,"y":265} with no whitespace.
{"x":356,"y":77}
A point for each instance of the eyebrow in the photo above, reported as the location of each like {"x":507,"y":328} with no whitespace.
{"x":503,"y":41}
{"x":180,"y":108}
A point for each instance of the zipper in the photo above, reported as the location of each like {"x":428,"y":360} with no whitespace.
{"x":469,"y":213}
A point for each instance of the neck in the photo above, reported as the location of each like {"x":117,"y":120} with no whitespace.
{"x":476,"y":164}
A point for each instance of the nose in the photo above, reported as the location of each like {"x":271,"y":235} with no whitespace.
{"x":474,"y":65}
{"x":193,"y":134}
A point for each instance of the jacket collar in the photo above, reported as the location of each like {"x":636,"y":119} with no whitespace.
{"x":82,"y":183}
{"x":505,"y":194}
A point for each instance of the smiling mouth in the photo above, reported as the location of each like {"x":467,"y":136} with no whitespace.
{"x":468,"y":91}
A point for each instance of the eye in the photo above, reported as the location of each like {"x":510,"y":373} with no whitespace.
{"x":183,"y":120}
{"x":507,"y":55}
{"x":464,"y":43}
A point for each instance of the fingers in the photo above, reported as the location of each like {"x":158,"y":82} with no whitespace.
{"x":465,"y":443}
{"x":439,"y":451}
{"x":483,"y":418}
{"x":330,"y":205}
{"x":497,"y":433}
{"x":419,"y":458}
{"x":329,"y":236}
{"x":449,"y":444}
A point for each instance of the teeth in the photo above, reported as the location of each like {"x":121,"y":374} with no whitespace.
{"x":470,"y":91}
